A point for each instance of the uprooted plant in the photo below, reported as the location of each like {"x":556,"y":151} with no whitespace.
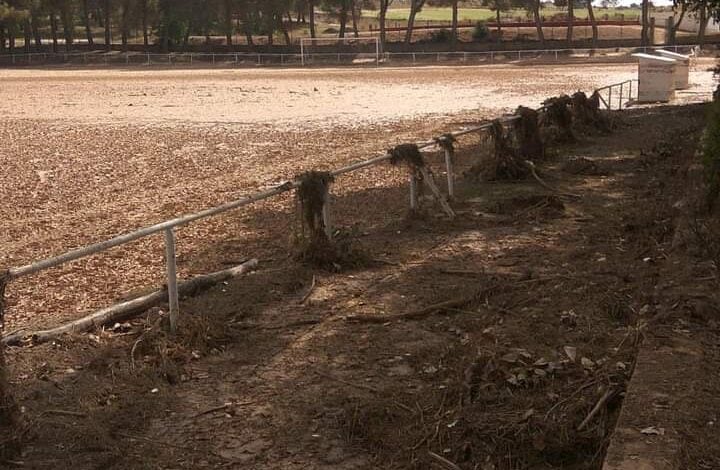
{"x":587,"y":111}
{"x":509,"y":165}
{"x":312,"y":196}
{"x":558,"y":114}
{"x":409,"y":154}
{"x":530,"y":142}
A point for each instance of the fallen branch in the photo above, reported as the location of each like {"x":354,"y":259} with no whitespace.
{"x":452,"y":304}
{"x":125,"y":310}
{"x":596,"y":409}
{"x":77,"y":414}
{"x":310,"y":290}
{"x":443,"y":462}
{"x":542,"y":183}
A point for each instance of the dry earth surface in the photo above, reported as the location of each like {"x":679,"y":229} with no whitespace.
{"x":559,"y":291}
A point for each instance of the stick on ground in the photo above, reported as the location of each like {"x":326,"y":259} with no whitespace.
{"x":125,"y":310}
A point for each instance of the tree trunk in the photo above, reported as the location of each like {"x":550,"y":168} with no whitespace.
{"x":35,"y":26}
{"x":676,"y":25}
{"x":538,"y":21}
{"x":246,"y":28}
{"x":704,"y":18}
{"x":27,"y":35}
{"x":53,"y":31}
{"x":497,"y":23}
{"x":383,"y":14}
{"x":3,"y":37}
{"x":67,"y":20}
{"x":11,"y":38}
{"x":108,"y":31}
{"x":415,"y":7}
{"x":343,"y":19}
{"x":591,"y":17}
{"x":228,"y":23}
{"x":144,"y":13}
{"x":571,"y":21}
{"x":86,"y":23}
{"x":454,"y":27}
{"x":283,"y":29}
{"x":125,"y":26}
{"x":644,"y":31}
{"x":312,"y":18}
{"x":355,"y":19}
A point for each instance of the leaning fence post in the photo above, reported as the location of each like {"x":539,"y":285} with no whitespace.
{"x":171,"y":278}
{"x":327,"y":219}
{"x":446,"y":143}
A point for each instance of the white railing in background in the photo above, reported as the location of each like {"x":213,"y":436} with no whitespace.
{"x":319,"y":58}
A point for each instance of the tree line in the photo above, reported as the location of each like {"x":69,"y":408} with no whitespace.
{"x":168,"y":24}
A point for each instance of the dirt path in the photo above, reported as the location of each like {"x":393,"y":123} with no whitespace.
{"x":492,"y":384}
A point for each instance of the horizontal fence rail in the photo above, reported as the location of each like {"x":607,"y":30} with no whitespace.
{"x":359,"y":57}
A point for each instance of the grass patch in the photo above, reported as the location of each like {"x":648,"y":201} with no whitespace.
{"x":478,"y":14}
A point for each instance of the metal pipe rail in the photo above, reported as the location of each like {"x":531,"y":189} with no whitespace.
{"x":291,"y":58}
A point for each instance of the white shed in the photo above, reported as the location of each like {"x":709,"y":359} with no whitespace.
{"x":656,"y":78}
{"x":682,"y":68}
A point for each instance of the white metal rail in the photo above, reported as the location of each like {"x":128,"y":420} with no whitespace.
{"x":293,"y":59}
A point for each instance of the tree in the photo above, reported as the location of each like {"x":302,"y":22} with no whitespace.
{"x":645,"y":21}
{"x":591,"y":17}
{"x":532,"y":6}
{"x":86,"y":22}
{"x":498,"y":6}
{"x":382,"y":16}
{"x":454,"y":25}
{"x":107,"y":6}
{"x":416,"y":7}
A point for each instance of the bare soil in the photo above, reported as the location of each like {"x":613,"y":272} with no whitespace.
{"x":559,"y":292}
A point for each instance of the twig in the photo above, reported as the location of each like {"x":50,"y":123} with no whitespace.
{"x":601,"y":402}
{"x":147,"y":439}
{"x":222,"y":408}
{"x":77,"y":414}
{"x":443,"y":461}
{"x":336,"y":379}
{"x":423,"y":312}
{"x":542,"y":183}
{"x":310,"y":290}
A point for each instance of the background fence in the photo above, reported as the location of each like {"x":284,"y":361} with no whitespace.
{"x":245,"y":59}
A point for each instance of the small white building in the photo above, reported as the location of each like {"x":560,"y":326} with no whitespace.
{"x":682,"y":68}
{"x":656,"y":78}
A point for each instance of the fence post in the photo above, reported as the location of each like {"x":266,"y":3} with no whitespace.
{"x":327,"y":219}
{"x":127,"y":58}
{"x":148,"y":58}
{"x":413,"y":191}
{"x":450,"y":172}
{"x":213,"y":57}
{"x":630,"y":92}
{"x":621,"y":96}
{"x":413,"y":58}
{"x":171,"y":278}
{"x":610,"y":98}
{"x":556,"y":56}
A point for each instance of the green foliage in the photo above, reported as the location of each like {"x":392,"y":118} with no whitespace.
{"x":711,"y":152}
{"x":481,"y":32}
{"x":441,"y":36}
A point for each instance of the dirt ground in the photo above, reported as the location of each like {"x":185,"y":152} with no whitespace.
{"x":271,"y":373}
